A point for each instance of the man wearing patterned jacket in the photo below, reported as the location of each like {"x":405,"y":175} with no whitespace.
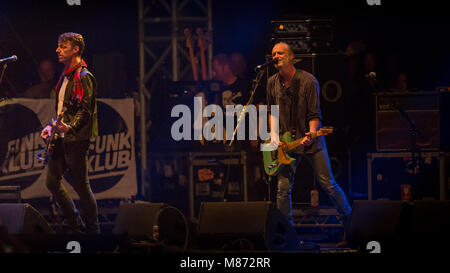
{"x":75,"y":93}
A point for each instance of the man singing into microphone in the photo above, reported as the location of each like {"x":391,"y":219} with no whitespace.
{"x":75,"y":95}
{"x":297,"y":94}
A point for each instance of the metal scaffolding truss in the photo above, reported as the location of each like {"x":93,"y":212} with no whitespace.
{"x":161,"y":26}
{"x":163,"y":51}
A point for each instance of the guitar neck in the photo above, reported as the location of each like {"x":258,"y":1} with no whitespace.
{"x":203,"y":63}
{"x":294,"y":144}
{"x":57,"y":123}
{"x":193,"y":64}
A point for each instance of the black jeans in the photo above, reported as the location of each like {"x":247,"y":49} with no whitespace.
{"x":73,"y":156}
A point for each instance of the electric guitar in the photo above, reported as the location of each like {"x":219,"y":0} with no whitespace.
{"x":274,"y":161}
{"x":46,"y":153}
{"x":202,"y":43}
{"x":187,"y":35}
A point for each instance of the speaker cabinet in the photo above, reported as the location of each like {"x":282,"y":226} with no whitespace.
{"x":137,"y":220}
{"x":23,"y":219}
{"x":430,"y":225}
{"x":383,"y":221}
{"x":330,"y":71}
{"x":444,"y":110}
{"x":240,"y":225}
{"x":395,"y":112}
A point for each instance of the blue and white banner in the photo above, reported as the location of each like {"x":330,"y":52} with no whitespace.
{"x":112,"y":165}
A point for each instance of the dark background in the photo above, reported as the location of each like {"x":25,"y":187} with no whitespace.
{"x":413,"y":33}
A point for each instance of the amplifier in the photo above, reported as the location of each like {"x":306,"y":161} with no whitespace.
{"x":305,"y":27}
{"x":393,"y":130}
{"x":303,"y":45}
{"x":305,"y":35}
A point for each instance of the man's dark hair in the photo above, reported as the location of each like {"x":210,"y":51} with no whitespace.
{"x":75,"y":39}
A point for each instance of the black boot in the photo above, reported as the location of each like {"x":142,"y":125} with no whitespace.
{"x":345,"y":221}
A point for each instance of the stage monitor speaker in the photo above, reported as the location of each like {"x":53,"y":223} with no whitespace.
{"x":23,"y":219}
{"x":137,"y":220}
{"x":430,"y":225}
{"x":383,"y":221}
{"x":245,"y":226}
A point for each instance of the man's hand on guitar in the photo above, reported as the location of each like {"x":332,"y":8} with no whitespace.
{"x":60,"y":127}
{"x":275,"y":142}
{"x":46,"y":132}
{"x":307,"y":142}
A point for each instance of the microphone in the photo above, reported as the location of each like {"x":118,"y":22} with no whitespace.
{"x":13,"y":58}
{"x":266,"y":64}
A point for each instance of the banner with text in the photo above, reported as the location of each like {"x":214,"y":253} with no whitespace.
{"x":112,"y":165}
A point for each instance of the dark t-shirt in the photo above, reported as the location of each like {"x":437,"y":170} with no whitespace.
{"x":308,"y":106}
{"x":236,"y":93}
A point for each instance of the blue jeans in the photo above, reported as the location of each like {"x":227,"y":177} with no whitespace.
{"x":322,"y":170}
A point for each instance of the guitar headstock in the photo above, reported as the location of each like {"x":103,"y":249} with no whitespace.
{"x":201,"y":39}
{"x":188,"y":36}
{"x":325,"y":131}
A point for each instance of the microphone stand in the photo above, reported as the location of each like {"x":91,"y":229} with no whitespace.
{"x":413,"y":132}
{"x":5,"y":65}
{"x":256,"y":83}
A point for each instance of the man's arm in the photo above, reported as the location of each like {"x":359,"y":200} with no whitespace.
{"x":274,"y":135}
{"x":313,"y":115}
{"x":314,"y":125}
